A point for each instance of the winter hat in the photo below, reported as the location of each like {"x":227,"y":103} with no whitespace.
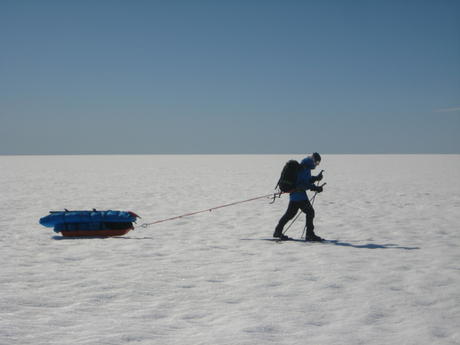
{"x":316,"y":157}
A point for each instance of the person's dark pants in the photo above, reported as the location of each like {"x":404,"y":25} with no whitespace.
{"x":291,"y":211}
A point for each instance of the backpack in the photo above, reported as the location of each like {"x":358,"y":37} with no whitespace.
{"x":288,"y":179}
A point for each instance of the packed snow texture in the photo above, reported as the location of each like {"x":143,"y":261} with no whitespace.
{"x":393,"y":277}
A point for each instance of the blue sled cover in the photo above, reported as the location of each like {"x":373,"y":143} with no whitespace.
{"x":66,"y":217}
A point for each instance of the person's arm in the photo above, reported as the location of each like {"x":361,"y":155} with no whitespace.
{"x":319,"y":177}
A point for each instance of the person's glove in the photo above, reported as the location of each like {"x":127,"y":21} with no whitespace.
{"x":320,"y":176}
{"x":317,"y":189}
{"x":317,"y":178}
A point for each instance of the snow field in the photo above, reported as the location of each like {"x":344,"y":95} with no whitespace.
{"x":392,"y":277}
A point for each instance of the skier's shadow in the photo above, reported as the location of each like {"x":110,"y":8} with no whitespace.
{"x":343,"y":244}
{"x":372,"y":245}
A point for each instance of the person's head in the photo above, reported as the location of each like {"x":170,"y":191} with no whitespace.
{"x":311,"y":162}
{"x":316,"y":158}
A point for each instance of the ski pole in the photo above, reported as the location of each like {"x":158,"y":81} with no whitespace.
{"x":312,"y":202}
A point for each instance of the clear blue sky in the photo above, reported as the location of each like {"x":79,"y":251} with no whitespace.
{"x":198,"y":76}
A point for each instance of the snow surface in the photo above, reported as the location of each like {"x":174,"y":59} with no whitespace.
{"x":392,"y":278}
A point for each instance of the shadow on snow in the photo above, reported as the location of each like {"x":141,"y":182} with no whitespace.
{"x":334,"y":242}
{"x":70,"y":238}
{"x":338,"y":243}
{"x":373,"y":246}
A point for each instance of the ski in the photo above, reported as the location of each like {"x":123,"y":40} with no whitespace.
{"x":299,"y":240}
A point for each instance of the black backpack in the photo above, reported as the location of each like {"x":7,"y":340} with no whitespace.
{"x":288,"y":179}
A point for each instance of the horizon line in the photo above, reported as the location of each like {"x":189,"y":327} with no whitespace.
{"x":225,"y":154}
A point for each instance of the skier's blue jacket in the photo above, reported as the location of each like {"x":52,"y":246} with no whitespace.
{"x":304,"y":180}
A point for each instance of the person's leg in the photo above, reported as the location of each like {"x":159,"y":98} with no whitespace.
{"x":291,"y":211}
{"x":307,"y":208}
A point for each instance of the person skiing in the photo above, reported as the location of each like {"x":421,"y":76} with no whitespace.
{"x":298,"y":198}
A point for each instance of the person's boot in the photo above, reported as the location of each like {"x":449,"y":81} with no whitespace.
{"x":311,"y":236}
{"x":283,"y":237}
{"x":279,"y":234}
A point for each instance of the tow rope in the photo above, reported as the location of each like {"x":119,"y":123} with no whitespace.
{"x":272,"y":196}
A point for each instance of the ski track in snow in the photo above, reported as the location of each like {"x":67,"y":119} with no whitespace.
{"x":393,"y":276}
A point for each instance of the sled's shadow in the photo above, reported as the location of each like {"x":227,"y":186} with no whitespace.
{"x":339,"y":243}
{"x":69,"y":238}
